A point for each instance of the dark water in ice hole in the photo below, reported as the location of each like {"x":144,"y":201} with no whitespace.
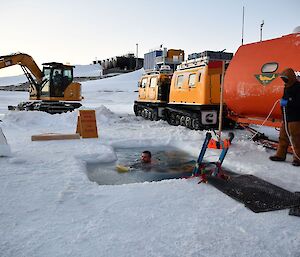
{"x":170,"y":163}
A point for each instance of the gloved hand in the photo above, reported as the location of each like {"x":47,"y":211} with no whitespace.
{"x":283,"y":102}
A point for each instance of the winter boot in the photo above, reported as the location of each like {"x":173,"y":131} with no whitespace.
{"x":296,"y":163}
{"x":294,"y":128}
{"x":282,"y":146}
{"x":276,"y":158}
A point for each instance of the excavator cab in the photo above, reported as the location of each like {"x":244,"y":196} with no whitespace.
{"x":56,"y":78}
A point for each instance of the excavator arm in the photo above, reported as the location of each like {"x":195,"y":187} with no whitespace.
{"x":23,"y":60}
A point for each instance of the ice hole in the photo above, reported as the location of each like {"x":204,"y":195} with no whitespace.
{"x":168,"y":163}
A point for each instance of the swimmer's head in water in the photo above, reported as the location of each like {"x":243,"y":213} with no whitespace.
{"x":146,"y":157}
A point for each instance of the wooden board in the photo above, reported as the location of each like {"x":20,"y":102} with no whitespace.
{"x":54,"y":136}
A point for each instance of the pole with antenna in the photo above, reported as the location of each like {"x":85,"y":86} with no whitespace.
{"x":137,"y":56}
{"x":261,"y":29}
{"x":243,"y":24}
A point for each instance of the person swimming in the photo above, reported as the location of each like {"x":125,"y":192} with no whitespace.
{"x":161,"y":163}
{"x":146,"y":157}
{"x":144,"y":163}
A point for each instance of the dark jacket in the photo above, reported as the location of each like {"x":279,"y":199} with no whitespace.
{"x":292,"y":94}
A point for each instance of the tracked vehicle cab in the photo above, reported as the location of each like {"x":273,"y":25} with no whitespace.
{"x":154,"y":89}
{"x":56,"y":78}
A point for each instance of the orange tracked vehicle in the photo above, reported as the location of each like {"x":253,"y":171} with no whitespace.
{"x":154,"y":88}
{"x":191,"y":98}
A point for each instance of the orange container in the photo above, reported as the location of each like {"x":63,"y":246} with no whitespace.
{"x":252,"y":84}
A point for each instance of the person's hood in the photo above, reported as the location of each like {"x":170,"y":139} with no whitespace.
{"x":288,"y":76}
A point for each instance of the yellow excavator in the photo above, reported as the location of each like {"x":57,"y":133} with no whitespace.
{"x":51,"y":90}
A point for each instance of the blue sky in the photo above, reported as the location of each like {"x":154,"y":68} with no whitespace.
{"x":79,"y":31}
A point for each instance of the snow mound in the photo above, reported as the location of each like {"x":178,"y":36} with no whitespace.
{"x":34,"y":119}
{"x":12,"y":80}
{"x":92,"y":70}
{"x":124,"y":82}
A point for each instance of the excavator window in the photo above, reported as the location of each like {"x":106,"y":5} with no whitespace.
{"x":45,"y":90}
{"x":68,"y":75}
{"x":57,"y":81}
{"x":57,"y":77}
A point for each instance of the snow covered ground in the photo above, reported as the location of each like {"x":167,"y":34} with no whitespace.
{"x":50,"y":208}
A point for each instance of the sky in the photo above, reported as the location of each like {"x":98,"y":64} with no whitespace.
{"x":79,"y":32}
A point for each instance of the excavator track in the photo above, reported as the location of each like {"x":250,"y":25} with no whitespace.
{"x":52,"y":107}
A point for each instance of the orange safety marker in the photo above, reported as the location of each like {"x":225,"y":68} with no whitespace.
{"x":86,"y":124}
{"x":214,"y":144}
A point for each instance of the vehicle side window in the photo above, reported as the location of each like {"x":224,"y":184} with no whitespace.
{"x":57,"y":77}
{"x":143,"y":83}
{"x":68,"y":74}
{"x":192,"y":80}
{"x":45,"y":89}
{"x":47,"y":73}
{"x":153,"y":82}
{"x":179,"y":81}
{"x":269,"y":67}
{"x":56,"y":71}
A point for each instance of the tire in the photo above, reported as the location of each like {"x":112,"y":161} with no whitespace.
{"x":155,"y":116}
{"x":172,"y":120}
{"x":182,"y":120}
{"x":150,"y":115}
{"x":143,"y":113}
{"x":196,"y":124}
{"x":188,"y":122}
{"x":146,"y":114}
{"x":177,"y":120}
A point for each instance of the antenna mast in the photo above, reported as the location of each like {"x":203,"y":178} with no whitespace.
{"x":243,"y":23}
{"x":261,"y":29}
{"x":137,"y":56}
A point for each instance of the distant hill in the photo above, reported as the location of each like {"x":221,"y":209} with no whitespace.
{"x":80,"y":71}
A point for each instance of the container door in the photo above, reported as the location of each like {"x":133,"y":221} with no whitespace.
{"x":142,"y":89}
{"x":152,"y":88}
{"x":215,"y":83}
